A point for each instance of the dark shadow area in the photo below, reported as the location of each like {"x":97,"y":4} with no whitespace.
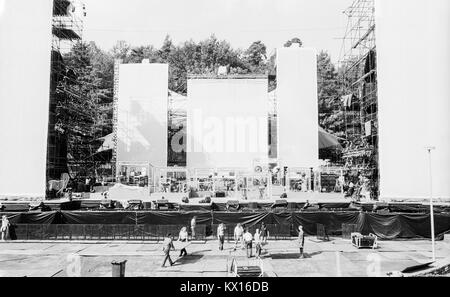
{"x":189,"y":259}
{"x":285,"y":256}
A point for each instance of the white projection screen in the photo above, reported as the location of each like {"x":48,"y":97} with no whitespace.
{"x":142,"y":113}
{"x":25,"y":50}
{"x":413,"y":51}
{"x":298,"y":140}
{"x":227,"y":124}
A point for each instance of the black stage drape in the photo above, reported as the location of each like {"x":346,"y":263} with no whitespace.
{"x":385,"y":226}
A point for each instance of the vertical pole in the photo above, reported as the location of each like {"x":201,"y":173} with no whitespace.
{"x":431,"y":203}
{"x":114,"y":163}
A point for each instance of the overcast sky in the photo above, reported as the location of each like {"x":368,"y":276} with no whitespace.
{"x":319,"y":23}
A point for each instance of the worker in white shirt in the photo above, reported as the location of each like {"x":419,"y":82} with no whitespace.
{"x":4,"y":229}
{"x":301,"y":240}
{"x":238,"y":236}
{"x":183,"y":237}
{"x":248,"y":238}
{"x":193,"y":224}
{"x":221,"y":235}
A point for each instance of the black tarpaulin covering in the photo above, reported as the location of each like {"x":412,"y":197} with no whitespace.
{"x":248,"y":219}
{"x":251,"y":219}
{"x":173,"y":218}
{"x":331,"y":220}
{"x":99,"y":217}
{"x":219,"y":206}
{"x":14,"y":218}
{"x":196,"y":207}
{"x":335,"y":205}
{"x":50,"y":217}
{"x":385,"y":226}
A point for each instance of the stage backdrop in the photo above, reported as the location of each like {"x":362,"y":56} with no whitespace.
{"x":413,"y":49}
{"x":298,"y":143}
{"x":227,"y":122}
{"x":25,"y":47}
{"x":142,"y":113}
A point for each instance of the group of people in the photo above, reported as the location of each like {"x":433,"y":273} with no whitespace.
{"x":246,"y":239}
{"x":242,"y":237}
{"x":183,"y":237}
{"x":168,"y":245}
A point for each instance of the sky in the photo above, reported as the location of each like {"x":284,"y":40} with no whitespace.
{"x":319,"y":23}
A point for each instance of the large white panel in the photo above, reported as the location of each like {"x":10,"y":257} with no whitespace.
{"x":142,"y":113}
{"x":227,"y":122}
{"x":298,"y":144}
{"x":413,"y":48}
{"x":25,"y":47}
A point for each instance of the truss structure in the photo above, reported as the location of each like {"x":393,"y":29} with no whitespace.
{"x":359,"y":95}
{"x":67,"y":29}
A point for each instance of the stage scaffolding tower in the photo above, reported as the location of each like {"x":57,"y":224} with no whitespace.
{"x":67,"y":29}
{"x":358,"y":72}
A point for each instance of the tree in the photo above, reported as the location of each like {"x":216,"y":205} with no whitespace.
{"x":330,"y":114}
{"x":166,"y":49}
{"x":255,"y":55}
{"x":293,"y":40}
{"x":121,"y":50}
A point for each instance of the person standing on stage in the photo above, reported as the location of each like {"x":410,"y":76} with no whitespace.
{"x":248,"y":238}
{"x":264,"y":232}
{"x":167,"y":246}
{"x":183,"y":237}
{"x":257,"y":238}
{"x":238,"y":236}
{"x":301,"y":240}
{"x":193,"y":224}
{"x":221,"y":235}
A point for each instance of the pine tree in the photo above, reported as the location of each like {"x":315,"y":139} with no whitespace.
{"x":330,"y":112}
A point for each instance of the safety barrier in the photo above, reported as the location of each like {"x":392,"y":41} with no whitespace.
{"x":101,"y":232}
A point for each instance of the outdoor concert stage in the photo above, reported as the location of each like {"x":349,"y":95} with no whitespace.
{"x":337,"y":215}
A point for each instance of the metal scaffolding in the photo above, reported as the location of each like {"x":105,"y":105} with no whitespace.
{"x":67,"y":28}
{"x":358,"y":71}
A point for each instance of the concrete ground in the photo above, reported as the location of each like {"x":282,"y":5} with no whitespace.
{"x":280,"y":258}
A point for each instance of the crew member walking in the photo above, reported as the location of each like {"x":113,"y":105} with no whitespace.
{"x":238,"y":236}
{"x":257,"y":238}
{"x":248,"y":238}
{"x":301,"y":240}
{"x":221,"y":235}
{"x":183,"y":237}
{"x":5,"y":228}
{"x":167,"y":246}
{"x":193,"y":224}
{"x":263,"y":231}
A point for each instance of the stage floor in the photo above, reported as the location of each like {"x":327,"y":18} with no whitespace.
{"x":280,"y":258}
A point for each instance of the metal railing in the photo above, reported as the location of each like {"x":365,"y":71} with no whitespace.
{"x":101,"y":232}
{"x":348,"y":229}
